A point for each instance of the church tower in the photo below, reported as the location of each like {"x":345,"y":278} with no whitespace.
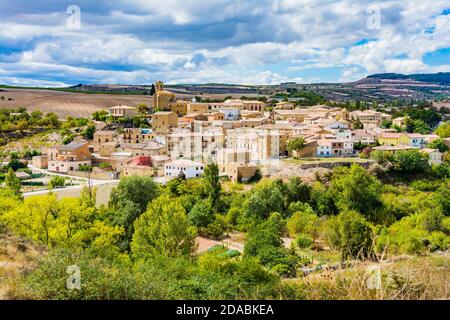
{"x":159,"y":86}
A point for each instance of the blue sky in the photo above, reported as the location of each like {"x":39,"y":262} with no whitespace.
{"x":226,"y":41}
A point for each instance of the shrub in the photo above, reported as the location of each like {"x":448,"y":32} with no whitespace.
{"x":303,"y":241}
{"x":302,"y":222}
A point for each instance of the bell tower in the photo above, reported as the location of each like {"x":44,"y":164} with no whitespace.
{"x":159,"y":86}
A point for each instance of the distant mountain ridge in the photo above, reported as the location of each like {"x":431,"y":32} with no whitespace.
{"x":440,"y":78}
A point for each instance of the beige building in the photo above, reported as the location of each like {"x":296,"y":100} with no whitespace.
{"x":40,"y":162}
{"x":137,"y":135}
{"x":198,"y":145}
{"x":240,"y":172}
{"x":197,"y":107}
{"x":179,"y":107}
{"x":162,"y":121}
{"x":162,"y":98}
{"x":140,"y":166}
{"x":370,"y":118}
{"x":123,"y":111}
{"x":101,"y":137}
{"x":107,"y":149}
{"x":285,"y":105}
{"x":69,"y":157}
{"x":147,"y":149}
{"x":262,"y":144}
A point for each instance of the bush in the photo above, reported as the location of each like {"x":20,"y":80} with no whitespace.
{"x":410,"y":161}
{"x":303,"y":241}
{"x":302,"y":222}
{"x":438,"y":241}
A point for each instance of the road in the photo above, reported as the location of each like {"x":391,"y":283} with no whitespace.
{"x":103,"y":187}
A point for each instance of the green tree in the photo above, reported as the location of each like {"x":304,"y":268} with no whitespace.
{"x":202,"y":214}
{"x":355,"y":235}
{"x":355,"y":189}
{"x":12,"y":182}
{"x":438,"y":144}
{"x":88,"y":133}
{"x":444,"y":130}
{"x":136,"y":189}
{"x":410,"y":161}
{"x":128,"y":200}
{"x":56,"y":182}
{"x":297,"y":190}
{"x":265,"y":198}
{"x":213,"y":187}
{"x":305,"y":221}
{"x":296,"y":144}
{"x":164,"y":229}
{"x":143,"y":108}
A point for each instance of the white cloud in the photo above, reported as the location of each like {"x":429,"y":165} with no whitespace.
{"x":140,"y":41}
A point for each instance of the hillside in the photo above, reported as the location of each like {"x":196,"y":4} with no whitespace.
{"x":82,"y":99}
{"x":439,"y":78}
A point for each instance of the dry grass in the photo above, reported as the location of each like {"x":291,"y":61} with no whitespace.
{"x":17,"y":256}
{"x":407,"y":278}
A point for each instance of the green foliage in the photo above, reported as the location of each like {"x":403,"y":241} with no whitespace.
{"x":88,"y":132}
{"x":128,"y":200}
{"x":265,"y":198}
{"x":322,"y":200}
{"x":351,"y":233}
{"x":213,"y":187}
{"x":15,"y":164}
{"x":56,"y":182}
{"x":68,"y":138}
{"x":68,"y":222}
{"x":305,"y":221}
{"x":264,"y":242}
{"x":202,"y":214}
{"x":164,"y":229}
{"x":382,"y":156}
{"x":355,"y":189}
{"x":296,"y":144}
{"x":303,"y":241}
{"x":215,"y":276}
{"x":438,"y":144}
{"x":136,"y":189}
{"x":12,"y":182}
{"x":297,"y":190}
{"x":444,"y":130}
{"x":100,"y":115}
{"x":410,"y":161}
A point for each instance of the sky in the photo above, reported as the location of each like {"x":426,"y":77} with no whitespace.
{"x":60,"y":43}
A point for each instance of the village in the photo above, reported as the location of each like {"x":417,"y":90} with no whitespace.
{"x":238,"y":135}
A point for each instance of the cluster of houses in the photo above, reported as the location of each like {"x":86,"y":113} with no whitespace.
{"x":236,"y":134}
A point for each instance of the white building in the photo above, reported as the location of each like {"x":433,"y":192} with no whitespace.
{"x":334,"y":147}
{"x":434,"y":156}
{"x":191,"y":169}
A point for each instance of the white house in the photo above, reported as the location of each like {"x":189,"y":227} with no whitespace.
{"x":434,"y":156}
{"x":324,"y":147}
{"x":191,"y":169}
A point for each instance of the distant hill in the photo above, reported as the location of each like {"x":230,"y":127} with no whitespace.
{"x":439,"y":78}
